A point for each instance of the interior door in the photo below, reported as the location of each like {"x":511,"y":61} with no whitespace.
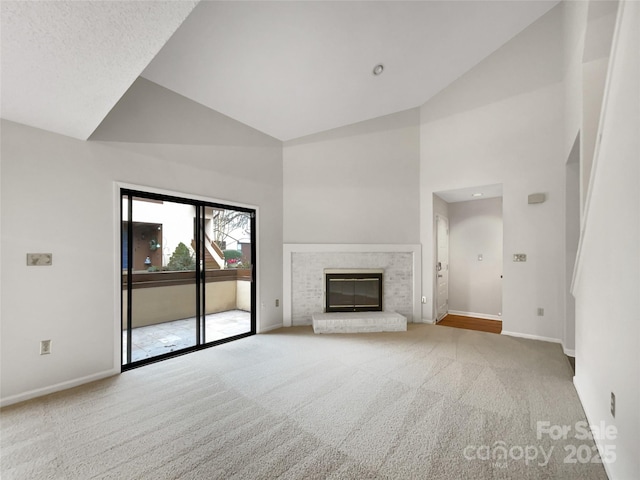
{"x":442,"y":267}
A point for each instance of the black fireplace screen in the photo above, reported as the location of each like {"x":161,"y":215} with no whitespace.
{"x":353,"y":292}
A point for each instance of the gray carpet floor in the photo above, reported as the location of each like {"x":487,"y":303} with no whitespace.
{"x":433,"y":402}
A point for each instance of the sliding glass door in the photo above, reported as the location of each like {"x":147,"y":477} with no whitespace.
{"x":187,"y":275}
{"x":228,"y":241}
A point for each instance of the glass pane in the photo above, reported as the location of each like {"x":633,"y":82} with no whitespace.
{"x":163,"y":261}
{"x":228,"y":273}
{"x":341,"y":293}
{"x":366,"y":293}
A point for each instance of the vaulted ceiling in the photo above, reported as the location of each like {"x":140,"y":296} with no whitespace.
{"x":66,"y":63}
{"x":288,"y":69}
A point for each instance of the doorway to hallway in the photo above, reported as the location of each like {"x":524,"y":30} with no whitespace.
{"x":468,"y":232}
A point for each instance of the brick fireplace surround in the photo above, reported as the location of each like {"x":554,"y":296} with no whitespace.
{"x":304,"y":265}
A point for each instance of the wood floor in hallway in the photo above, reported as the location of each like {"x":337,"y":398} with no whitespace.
{"x":471,"y":323}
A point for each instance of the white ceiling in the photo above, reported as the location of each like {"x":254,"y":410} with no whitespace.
{"x":66,"y":63}
{"x":288,"y":69}
{"x":291,"y":69}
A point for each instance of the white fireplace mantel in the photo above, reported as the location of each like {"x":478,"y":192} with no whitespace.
{"x":292,"y":248}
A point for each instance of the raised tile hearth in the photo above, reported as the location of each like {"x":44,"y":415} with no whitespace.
{"x":358,"y":322}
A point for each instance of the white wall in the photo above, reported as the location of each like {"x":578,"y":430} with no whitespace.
{"x":58,"y":196}
{"x":440,"y":207}
{"x":475,"y":228}
{"x":593,"y":80}
{"x":595,"y":61}
{"x":572,"y":237}
{"x":500,"y":124}
{"x":608,"y":277}
{"x":356,"y":184}
{"x":574,"y":26}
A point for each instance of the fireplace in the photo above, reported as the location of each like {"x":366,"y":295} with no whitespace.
{"x":353,"y":291}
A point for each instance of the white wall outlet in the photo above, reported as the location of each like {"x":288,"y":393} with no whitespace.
{"x":540,"y":312}
{"x":45,"y":347}
{"x":39,"y":259}
{"x":424,"y":299}
{"x":519,"y":257}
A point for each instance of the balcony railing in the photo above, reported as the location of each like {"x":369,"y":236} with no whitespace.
{"x":160,"y":297}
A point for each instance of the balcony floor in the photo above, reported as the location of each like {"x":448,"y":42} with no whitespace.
{"x":161,"y":338}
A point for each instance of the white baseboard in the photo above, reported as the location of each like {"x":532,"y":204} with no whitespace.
{"x":484,"y":316}
{"x":596,"y":438}
{"x":531,"y":337}
{"x":568,"y":352}
{"x":39,"y":392}
{"x":269,"y":328}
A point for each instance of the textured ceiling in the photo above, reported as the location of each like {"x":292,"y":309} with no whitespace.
{"x":288,"y":69}
{"x":66,"y":63}
{"x":291,"y":69}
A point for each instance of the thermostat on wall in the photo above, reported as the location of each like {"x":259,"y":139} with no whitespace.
{"x":537,"y":198}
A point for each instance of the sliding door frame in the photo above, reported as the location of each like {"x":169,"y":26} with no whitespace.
{"x":130,"y":191}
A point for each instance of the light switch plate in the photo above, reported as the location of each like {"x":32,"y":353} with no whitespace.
{"x":39,"y":259}
{"x":519,"y":257}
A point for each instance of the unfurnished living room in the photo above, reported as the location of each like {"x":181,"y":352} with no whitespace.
{"x":315,"y":239}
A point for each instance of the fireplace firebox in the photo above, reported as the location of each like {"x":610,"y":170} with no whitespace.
{"x":353,"y":292}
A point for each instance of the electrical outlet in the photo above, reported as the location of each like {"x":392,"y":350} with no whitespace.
{"x":519,"y":257}
{"x":540,"y":312}
{"x":424,"y":299}
{"x":613,"y":405}
{"x":277,"y":302}
{"x":45,"y":347}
